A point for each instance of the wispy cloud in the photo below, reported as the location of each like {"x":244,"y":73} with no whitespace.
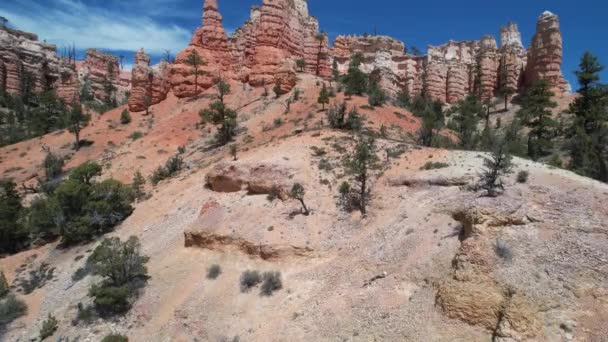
{"x":88,"y":26}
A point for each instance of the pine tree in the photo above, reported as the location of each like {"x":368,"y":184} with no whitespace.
{"x":432,"y":122}
{"x":466,"y":119}
{"x":323,"y":98}
{"x":125,"y":117}
{"x":12,"y":235}
{"x":77,"y":120}
{"x":219,"y":114}
{"x":589,"y":133}
{"x":301,"y":64}
{"x":506,"y":93}
{"x":495,"y":167}
{"x":355,"y":80}
{"x":195,"y":61}
{"x":535,"y":113}
{"x":138,"y":185}
{"x":359,"y":164}
{"x":4,"y":287}
{"x":297,"y":192}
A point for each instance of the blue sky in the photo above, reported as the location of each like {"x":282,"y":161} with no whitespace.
{"x":121,"y":27}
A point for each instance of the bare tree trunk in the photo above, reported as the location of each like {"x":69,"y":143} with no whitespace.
{"x":77,"y":133}
{"x":363,"y":191}
{"x":195,"y":80}
{"x":306,"y":212}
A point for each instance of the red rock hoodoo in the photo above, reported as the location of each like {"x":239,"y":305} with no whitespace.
{"x":545,"y":54}
{"x":150,"y":85}
{"x":211,"y":44}
{"x":279,"y":30}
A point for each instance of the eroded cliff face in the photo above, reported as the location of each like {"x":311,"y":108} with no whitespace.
{"x":100,"y":73}
{"x":279,"y":30}
{"x":451,"y":71}
{"x":150,"y":85}
{"x":26,"y":62}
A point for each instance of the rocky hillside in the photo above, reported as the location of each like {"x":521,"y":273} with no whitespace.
{"x":264,"y":238}
{"x":431,"y":261}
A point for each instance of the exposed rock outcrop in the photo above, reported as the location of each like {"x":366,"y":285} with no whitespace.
{"x":285,"y":77}
{"x":279,"y":30}
{"x":100,"y":74}
{"x":26,"y":62}
{"x":453,"y":70}
{"x":255,"y":178}
{"x":211,"y":44}
{"x":545,"y":54}
{"x":211,"y":231}
{"x":150,"y":85}
{"x":381,"y":53}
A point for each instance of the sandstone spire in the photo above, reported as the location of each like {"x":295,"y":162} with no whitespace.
{"x":510,"y":36}
{"x":149,"y":84}
{"x":545,"y":54}
{"x":211,"y":44}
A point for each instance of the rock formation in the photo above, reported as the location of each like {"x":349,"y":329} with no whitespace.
{"x":23,"y":59}
{"x":379,"y":53}
{"x":211,"y":44}
{"x":97,"y":72}
{"x":150,"y":85}
{"x":279,"y":30}
{"x":545,"y":54}
{"x":453,"y":70}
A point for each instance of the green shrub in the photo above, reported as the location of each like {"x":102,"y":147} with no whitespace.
{"x":123,"y":270}
{"x":136,"y":135}
{"x":172,"y":166}
{"x":137,"y":185}
{"x":115,"y":338}
{"x":339,"y":119}
{"x":272,"y":282}
{"x":214,"y":271}
{"x":125,"y":117}
{"x":249,"y":279}
{"x":85,"y":173}
{"x":522,"y":176}
{"x":377,"y":97}
{"x":53,"y":166}
{"x":111,"y":300}
{"x":556,"y":161}
{"x":11,"y":230}
{"x":430,"y":165}
{"x":48,"y":327}
{"x":4,"y":287}
{"x":11,"y":308}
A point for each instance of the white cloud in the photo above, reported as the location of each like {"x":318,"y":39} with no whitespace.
{"x":71,"y":21}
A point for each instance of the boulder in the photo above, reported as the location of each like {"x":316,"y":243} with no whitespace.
{"x":257,"y":179}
